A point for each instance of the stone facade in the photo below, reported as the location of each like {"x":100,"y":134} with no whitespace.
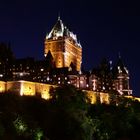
{"x":26,"y":88}
{"x":63,"y":46}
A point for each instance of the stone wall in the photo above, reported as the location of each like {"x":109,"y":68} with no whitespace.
{"x":26,"y":88}
{"x":95,"y":97}
{"x":2,"y":86}
{"x":43,"y":90}
{"x":21,"y":87}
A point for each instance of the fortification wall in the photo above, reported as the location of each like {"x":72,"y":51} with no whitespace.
{"x":43,"y":90}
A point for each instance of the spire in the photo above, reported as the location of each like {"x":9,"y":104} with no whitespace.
{"x":120,"y":65}
{"x":119,"y":55}
{"x":59,"y":16}
{"x":60,"y":30}
{"x":57,"y":30}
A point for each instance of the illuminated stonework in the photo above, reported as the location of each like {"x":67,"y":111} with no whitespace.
{"x":104,"y":98}
{"x":2,"y":86}
{"x":94,"y":97}
{"x":21,"y":87}
{"x":26,"y":88}
{"x":29,"y":88}
{"x":44,"y":90}
{"x":63,"y":46}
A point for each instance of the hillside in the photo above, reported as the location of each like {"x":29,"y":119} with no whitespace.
{"x":67,"y":116}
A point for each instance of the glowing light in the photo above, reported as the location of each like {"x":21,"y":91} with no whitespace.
{"x":87,"y":85}
{"x":21,"y":74}
{"x":92,"y":97}
{"x":126,"y":70}
{"x":65,"y":78}
{"x":120,"y":71}
{"x":21,"y":89}
{"x":38,"y":135}
{"x":20,"y":125}
{"x":48,"y":78}
{"x":45,"y":54}
{"x":94,"y":84}
{"x":120,"y":91}
{"x":45,"y":95}
{"x":104,"y":98}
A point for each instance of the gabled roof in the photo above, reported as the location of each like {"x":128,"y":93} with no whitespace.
{"x":57,"y":30}
{"x":60,"y":30}
{"x":120,"y":67}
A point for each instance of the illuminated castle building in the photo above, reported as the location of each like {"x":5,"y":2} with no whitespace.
{"x":63,"y":46}
{"x":61,"y":65}
{"x":121,"y":79}
{"x":106,"y":78}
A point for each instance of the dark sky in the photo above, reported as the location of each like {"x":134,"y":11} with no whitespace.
{"x":104,"y":28}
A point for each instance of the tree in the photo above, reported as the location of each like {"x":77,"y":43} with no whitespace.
{"x":70,"y":107}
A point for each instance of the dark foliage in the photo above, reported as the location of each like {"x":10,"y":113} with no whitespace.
{"x":67,"y":116}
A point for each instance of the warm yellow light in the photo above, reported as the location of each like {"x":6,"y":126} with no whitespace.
{"x":2,"y":86}
{"x":27,"y":88}
{"x":135,"y":98}
{"x":45,"y":96}
{"x":92,"y":96}
{"x":21,"y":89}
{"x":104,"y":98}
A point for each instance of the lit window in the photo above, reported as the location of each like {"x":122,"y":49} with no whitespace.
{"x":48,"y":78}
{"x":21,"y":74}
{"x":103,"y":88}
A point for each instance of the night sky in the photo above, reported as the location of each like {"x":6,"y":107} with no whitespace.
{"x":104,"y":28}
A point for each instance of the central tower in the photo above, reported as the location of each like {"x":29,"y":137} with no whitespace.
{"x":63,"y":46}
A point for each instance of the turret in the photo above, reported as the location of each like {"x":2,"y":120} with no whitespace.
{"x":121,"y":76}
